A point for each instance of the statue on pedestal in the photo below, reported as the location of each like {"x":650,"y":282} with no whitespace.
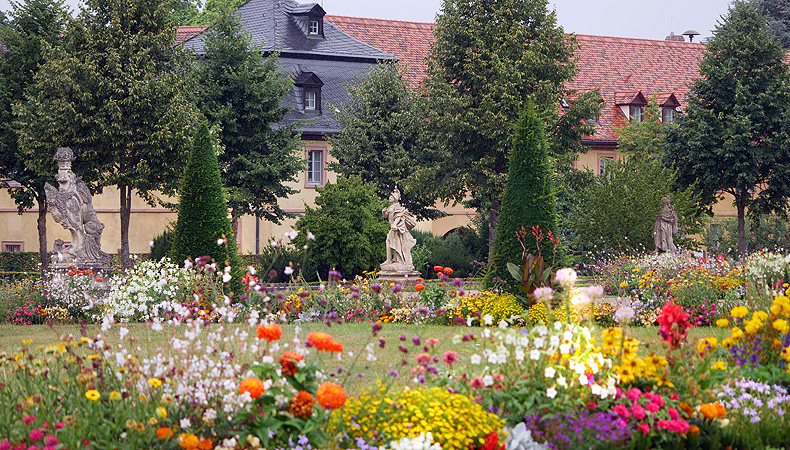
{"x":666,"y":225}
{"x":399,"y":266}
{"x":71,"y":205}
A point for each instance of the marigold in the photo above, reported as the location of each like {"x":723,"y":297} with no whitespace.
{"x":709,"y":411}
{"x":708,"y":343}
{"x":288,"y":361}
{"x":205,"y":444}
{"x":722,"y":323}
{"x":252,"y":385}
{"x":270,"y":332}
{"x":739,"y":312}
{"x":331,"y":395}
{"x":781,"y":326}
{"x":164,"y":433}
{"x":302,"y":405}
{"x":188,"y":441}
{"x":155,"y":382}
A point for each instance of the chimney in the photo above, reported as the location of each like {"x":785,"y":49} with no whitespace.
{"x":674,"y":37}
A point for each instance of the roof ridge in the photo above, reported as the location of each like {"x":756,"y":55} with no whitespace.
{"x":387,"y":21}
{"x":632,"y":40}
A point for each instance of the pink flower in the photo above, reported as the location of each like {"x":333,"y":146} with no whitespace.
{"x":674,"y":396}
{"x":28,"y":419}
{"x":633,"y":394}
{"x":5,"y":444}
{"x":643,"y":427}
{"x":59,"y":425}
{"x":652,"y":407}
{"x":476,"y":383}
{"x":36,"y":434}
{"x":622,"y":411}
{"x":34,"y":447}
{"x":450,"y":357}
{"x":638,"y":411}
{"x":618,"y":392}
{"x":51,"y":440}
{"x":423,"y":358}
{"x":673,"y":413}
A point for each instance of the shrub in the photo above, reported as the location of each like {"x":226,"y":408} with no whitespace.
{"x":203,"y":212}
{"x":19,"y":261}
{"x":162,"y":244}
{"x":528,"y":200}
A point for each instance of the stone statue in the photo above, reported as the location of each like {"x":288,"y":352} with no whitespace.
{"x":399,"y":239}
{"x":71,"y":205}
{"x":666,"y":225}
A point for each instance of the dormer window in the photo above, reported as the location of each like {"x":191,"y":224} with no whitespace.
{"x":636,"y":113}
{"x":667,"y":115}
{"x":669,"y":106}
{"x":308,"y":92}
{"x":309,"y":18}
{"x":314,"y":27}
{"x":632,"y":104}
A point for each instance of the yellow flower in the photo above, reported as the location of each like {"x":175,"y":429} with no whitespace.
{"x":739,"y":312}
{"x":93,"y":395}
{"x":727,"y":343}
{"x":623,"y":284}
{"x":161,"y":412}
{"x":752,"y":327}
{"x":93,"y":356}
{"x":722,"y":323}
{"x":27,"y":341}
{"x":718,"y":365}
{"x":736,"y":334}
{"x":781,"y":326}
{"x":115,"y":395}
{"x":708,"y":343}
{"x":155,"y":382}
{"x":762,"y":316}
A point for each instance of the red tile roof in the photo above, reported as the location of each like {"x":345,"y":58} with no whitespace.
{"x":409,"y":41}
{"x":184,"y":33}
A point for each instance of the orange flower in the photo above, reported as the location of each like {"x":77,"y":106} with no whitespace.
{"x":270,"y":332}
{"x":164,"y":433}
{"x":323,"y":341}
{"x":205,"y":444}
{"x":335,"y":346}
{"x":686,"y":408}
{"x":419,"y":286}
{"x":288,"y":360}
{"x":448,"y":271}
{"x":720,"y":409}
{"x":438,"y":268}
{"x":331,"y":396}
{"x":188,"y":441}
{"x":252,"y":385}
{"x":709,"y":411}
{"x":693,"y":429}
{"x":302,"y":405}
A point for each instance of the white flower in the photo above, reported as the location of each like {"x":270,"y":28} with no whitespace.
{"x":488,"y":319}
{"x":475,"y":359}
{"x":226,"y":277}
{"x":310,"y":236}
{"x":565,"y":277}
{"x":274,"y":244}
{"x":221,"y":241}
{"x":503,"y":324}
{"x":554,"y":340}
{"x":551,"y":392}
{"x":534,"y":355}
{"x":251,"y":270}
{"x":539,"y":342}
{"x":583,"y":380}
{"x":469,"y":321}
{"x":123,"y":332}
{"x":488,"y":380}
{"x":187,"y":264}
{"x":549,"y":372}
{"x":595,"y":292}
{"x":544,"y":294}
{"x":542,"y":330}
{"x":150,"y":243}
{"x":292,"y":234}
{"x":288,"y":270}
{"x":562,"y":381}
{"x":486,"y":333}
{"x":565,"y":348}
{"x":185,"y":423}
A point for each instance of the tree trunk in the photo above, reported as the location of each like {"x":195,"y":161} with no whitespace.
{"x":42,"y":233}
{"x":126,"y":211}
{"x":740,"y":204}
{"x":493,"y":218}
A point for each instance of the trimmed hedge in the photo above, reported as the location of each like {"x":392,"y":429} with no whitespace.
{"x":19,"y":261}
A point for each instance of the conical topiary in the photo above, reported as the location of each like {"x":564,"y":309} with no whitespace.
{"x":528,"y":200}
{"x":203,"y":211}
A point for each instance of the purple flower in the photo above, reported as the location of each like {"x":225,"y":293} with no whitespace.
{"x":396,"y":288}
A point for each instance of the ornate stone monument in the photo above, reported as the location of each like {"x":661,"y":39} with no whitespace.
{"x":666,"y":225}
{"x":71,"y":205}
{"x":399,"y":267}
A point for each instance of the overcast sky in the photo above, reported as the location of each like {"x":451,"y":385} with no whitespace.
{"x":622,"y":18}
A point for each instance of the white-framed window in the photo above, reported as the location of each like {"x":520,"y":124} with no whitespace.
{"x":602,"y":162}
{"x":667,"y":115}
{"x":13,"y":246}
{"x":310,"y":101}
{"x":315,"y":167}
{"x":314,"y":28}
{"x":636,"y":113}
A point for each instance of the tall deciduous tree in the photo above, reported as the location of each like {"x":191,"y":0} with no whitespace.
{"x":489,"y":60}
{"x":384,"y":137}
{"x":528,"y":200}
{"x":116,"y":94}
{"x":777,"y":15}
{"x":32,"y":25}
{"x":734,"y":136}
{"x":241,"y":90}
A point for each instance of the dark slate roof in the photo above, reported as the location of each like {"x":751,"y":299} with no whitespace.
{"x":276,"y":25}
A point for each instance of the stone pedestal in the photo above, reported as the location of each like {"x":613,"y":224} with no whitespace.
{"x":404,"y":278}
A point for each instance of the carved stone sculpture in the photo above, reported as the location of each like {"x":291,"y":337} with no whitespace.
{"x":399,"y":266}
{"x":666,"y":225}
{"x":71,"y":205}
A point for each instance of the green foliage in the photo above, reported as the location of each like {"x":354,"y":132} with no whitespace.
{"x":457,"y":250}
{"x":618,"y":210}
{"x":203,"y":211}
{"x":117,"y":93}
{"x":212,"y":11}
{"x":184,"y":12}
{"x":384,"y":138}
{"x":777,"y":16}
{"x":528,"y":202}
{"x":504,"y":46}
{"x":762,"y":233}
{"x":242,"y":91}
{"x":733,"y":138}
{"x":18,"y":261}
{"x":162,"y":244}
{"x":349,"y":229}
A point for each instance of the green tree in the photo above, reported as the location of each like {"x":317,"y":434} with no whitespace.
{"x":734,"y":135}
{"x":489,"y":60}
{"x":32,"y":25}
{"x":384,"y":137}
{"x":116,"y":92}
{"x":242,"y":91}
{"x":213,"y":10}
{"x":203,"y":211}
{"x":184,"y":12}
{"x":349,"y":230}
{"x":528,"y":200}
{"x":777,"y":16}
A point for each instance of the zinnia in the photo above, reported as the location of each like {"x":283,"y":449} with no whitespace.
{"x":288,"y":361}
{"x":188,"y":441}
{"x":323,"y":341}
{"x":302,"y":405}
{"x":270,"y":332}
{"x":164,"y":433}
{"x":252,"y":385}
{"x":331,"y":395}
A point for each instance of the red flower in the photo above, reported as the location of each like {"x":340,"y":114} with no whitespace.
{"x":674,"y":324}
{"x":270,"y":332}
{"x":438,"y":268}
{"x":419,"y":286}
{"x":448,"y":271}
